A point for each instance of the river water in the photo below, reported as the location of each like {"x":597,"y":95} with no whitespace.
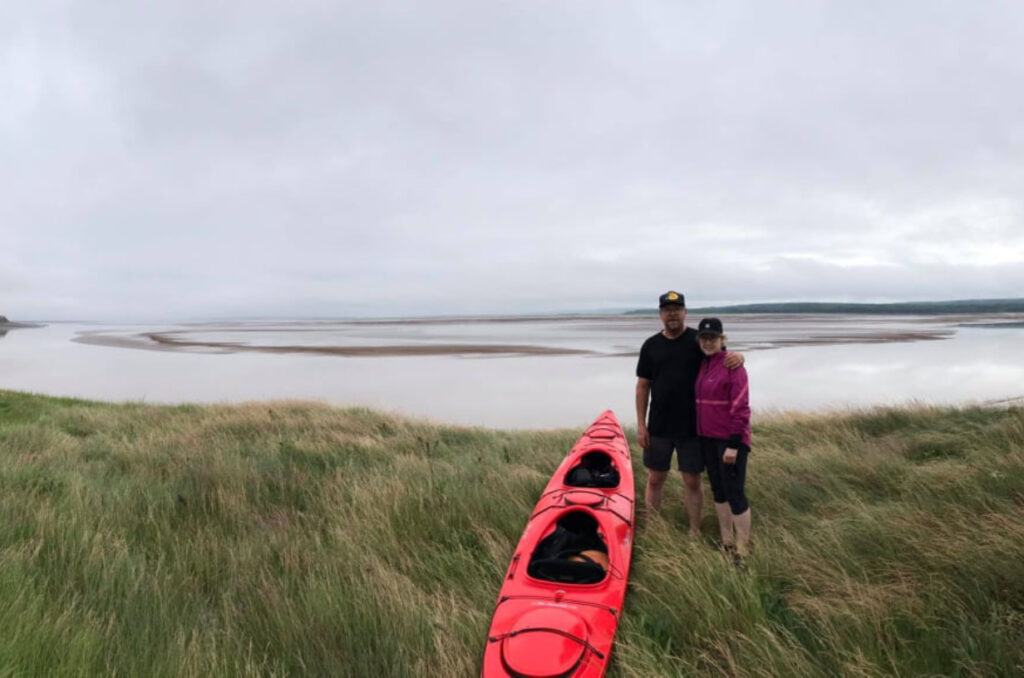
{"x":485,"y":372}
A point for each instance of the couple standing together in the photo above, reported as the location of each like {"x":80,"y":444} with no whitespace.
{"x":699,"y":407}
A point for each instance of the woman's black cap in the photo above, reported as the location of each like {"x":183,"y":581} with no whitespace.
{"x":712,"y":326}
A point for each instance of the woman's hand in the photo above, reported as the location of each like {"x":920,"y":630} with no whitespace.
{"x":730,"y":456}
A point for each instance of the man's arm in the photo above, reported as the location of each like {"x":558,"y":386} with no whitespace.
{"x":734,"y":360}
{"x":643,"y":395}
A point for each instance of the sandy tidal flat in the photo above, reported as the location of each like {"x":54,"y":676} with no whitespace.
{"x":514,"y":373}
{"x":593,"y":335}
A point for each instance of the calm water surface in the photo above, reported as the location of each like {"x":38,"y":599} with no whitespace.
{"x":519,"y":391}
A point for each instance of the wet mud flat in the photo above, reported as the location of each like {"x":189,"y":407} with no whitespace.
{"x":540,"y":373}
{"x":171,"y":341}
{"x":609,"y":336}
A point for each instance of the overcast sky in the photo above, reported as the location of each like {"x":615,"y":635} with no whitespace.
{"x":195,"y":159}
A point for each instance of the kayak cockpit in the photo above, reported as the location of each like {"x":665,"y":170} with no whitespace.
{"x":594,"y":469}
{"x":574,"y":552}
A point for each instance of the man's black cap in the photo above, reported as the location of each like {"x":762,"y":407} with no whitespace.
{"x":712,"y":326}
{"x":671,"y":298}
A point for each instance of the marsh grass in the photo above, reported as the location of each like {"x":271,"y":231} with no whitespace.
{"x":288,"y":539}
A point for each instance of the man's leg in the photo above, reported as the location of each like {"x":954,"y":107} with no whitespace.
{"x":657,"y":460}
{"x":655,"y":485}
{"x":691,"y":464}
{"x":694,"y":498}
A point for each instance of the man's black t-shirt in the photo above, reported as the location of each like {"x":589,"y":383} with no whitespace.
{"x":671,"y":365}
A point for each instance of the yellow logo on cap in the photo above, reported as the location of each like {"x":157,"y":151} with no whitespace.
{"x":672,"y":296}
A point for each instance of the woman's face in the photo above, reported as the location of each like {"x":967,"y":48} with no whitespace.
{"x":711,"y":344}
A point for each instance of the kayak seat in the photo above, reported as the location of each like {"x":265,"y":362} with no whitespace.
{"x":595,"y":469}
{"x":570,"y":554}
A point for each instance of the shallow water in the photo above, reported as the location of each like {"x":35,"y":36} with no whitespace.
{"x":519,"y":391}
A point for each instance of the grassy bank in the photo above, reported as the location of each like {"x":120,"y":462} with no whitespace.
{"x":287,"y":539}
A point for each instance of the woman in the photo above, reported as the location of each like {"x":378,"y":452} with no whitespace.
{"x":723,"y":424}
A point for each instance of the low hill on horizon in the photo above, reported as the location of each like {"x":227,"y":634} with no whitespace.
{"x":897,"y":308}
{"x":7,"y":324}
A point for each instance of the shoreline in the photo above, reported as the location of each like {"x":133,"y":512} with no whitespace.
{"x":761,"y":416}
{"x":19,"y":326}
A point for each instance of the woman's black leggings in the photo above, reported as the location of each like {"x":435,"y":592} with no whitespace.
{"x":727,"y":480}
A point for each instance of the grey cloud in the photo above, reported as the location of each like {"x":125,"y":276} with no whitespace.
{"x":202,"y":158}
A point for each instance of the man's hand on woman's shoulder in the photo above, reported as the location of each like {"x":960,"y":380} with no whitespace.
{"x":734,"y":360}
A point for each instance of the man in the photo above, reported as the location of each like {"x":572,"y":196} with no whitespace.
{"x":666,"y":373}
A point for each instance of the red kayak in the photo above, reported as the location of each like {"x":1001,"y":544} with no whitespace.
{"x":560,"y":604}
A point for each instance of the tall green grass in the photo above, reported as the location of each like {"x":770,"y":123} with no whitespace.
{"x":288,"y":539}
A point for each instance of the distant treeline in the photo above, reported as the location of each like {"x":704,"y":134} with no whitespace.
{"x":903,"y":308}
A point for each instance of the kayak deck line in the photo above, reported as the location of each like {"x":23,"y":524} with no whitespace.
{"x":560,"y":632}
{"x":565,"y":601}
{"x":595,"y":508}
{"x":617,"y":494}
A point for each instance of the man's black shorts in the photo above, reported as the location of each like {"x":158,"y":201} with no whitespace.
{"x":658,"y":456}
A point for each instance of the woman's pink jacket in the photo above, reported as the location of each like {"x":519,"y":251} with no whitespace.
{"x":723,"y":402}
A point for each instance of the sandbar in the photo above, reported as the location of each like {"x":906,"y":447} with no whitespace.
{"x":164,"y":341}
